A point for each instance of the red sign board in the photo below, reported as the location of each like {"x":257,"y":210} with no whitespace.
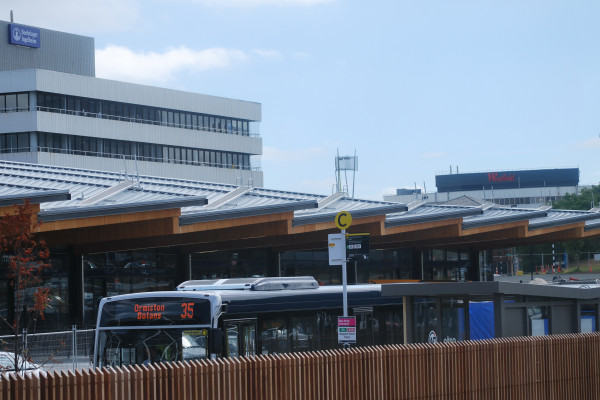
{"x":346,"y":321}
{"x":346,"y":329}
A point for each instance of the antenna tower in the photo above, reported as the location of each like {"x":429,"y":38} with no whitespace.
{"x":345,"y":163}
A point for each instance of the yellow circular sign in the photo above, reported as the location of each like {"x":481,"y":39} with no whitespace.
{"x":343,"y":220}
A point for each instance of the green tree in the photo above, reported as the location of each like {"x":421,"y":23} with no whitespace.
{"x":25,"y":259}
{"x":585,"y":200}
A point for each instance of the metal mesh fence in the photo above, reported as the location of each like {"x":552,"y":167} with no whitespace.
{"x":55,"y":350}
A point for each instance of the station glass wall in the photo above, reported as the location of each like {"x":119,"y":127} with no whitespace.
{"x":241,"y":263}
{"x":445,"y":265}
{"x":121,"y":272}
{"x":439,"y":320}
{"x":56,"y":314}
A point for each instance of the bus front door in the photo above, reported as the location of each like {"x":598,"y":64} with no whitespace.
{"x":240,"y":337}
{"x":365,"y":326}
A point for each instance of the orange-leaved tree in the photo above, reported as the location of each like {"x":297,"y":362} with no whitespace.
{"x":25,"y":259}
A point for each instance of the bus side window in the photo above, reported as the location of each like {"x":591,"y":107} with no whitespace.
{"x":241,"y":337}
{"x":232,"y":340}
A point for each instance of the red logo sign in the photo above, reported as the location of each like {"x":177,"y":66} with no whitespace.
{"x":494,"y":177}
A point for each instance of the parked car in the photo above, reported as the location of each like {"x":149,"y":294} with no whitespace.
{"x":7,"y":365}
{"x":194,"y":347}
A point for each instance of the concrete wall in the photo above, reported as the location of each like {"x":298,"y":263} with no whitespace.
{"x":58,"y":51}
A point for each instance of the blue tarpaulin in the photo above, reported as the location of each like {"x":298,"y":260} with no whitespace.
{"x":481,"y":320}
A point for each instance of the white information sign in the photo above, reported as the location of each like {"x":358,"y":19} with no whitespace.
{"x":337,"y":248}
{"x":346,"y":329}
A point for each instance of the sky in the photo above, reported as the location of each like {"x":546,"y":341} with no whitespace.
{"x":413,"y":88}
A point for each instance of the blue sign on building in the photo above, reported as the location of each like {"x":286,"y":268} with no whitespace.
{"x":24,"y":35}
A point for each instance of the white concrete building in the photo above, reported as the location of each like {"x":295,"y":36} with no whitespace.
{"x":54,"y":111}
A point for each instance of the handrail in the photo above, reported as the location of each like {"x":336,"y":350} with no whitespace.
{"x":132,"y":157}
{"x":142,"y":121}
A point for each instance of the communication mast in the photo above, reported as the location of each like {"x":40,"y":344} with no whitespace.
{"x":345,"y":163}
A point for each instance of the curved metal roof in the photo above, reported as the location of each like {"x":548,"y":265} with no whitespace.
{"x":67,"y":193}
{"x":430,"y":212}
{"x":500,"y":215}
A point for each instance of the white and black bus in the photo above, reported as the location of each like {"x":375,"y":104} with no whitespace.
{"x":239,"y":317}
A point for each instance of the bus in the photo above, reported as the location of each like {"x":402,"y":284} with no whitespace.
{"x":239,"y":317}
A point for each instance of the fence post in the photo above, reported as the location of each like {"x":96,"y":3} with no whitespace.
{"x":74,"y":347}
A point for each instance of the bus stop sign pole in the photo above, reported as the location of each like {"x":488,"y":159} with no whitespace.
{"x":337,"y":256}
{"x":343,"y":220}
{"x":344,"y":282}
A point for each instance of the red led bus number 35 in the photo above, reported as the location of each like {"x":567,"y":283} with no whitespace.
{"x":188,"y":310}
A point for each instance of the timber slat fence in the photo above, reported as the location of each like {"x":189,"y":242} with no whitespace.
{"x":548,"y":367}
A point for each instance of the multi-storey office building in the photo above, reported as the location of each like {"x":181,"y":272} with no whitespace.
{"x":53,"y":110}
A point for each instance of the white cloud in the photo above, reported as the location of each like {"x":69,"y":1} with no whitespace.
{"x":272,"y":154}
{"x":121,"y":63}
{"x":300,"y":55}
{"x":591,"y":143}
{"x":85,"y":17}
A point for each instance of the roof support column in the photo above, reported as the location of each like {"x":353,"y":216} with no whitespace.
{"x":407,"y":314}
{"x":499,"y":315}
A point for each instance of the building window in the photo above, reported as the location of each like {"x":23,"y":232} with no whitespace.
{"x":13,"y":102}
{"x":89,"y":146}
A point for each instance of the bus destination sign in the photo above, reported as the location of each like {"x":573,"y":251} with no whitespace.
{"x":156,"y":311}
{"x":153,"y":310}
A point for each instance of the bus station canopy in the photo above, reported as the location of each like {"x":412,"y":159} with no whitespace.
{"x":105,"y":211}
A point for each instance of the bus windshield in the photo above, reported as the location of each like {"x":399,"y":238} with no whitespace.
{"x":121,"y":347}
{"x":153,"y":327}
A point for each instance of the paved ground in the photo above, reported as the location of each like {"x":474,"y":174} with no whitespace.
{"x":548,"y":277}
{"x":67,"y":363}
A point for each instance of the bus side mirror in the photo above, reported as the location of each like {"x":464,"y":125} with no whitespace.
{"x":215,"y":341}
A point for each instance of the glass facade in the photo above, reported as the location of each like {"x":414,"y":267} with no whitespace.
{"x":230,"y":264}
{"x":439,"y":320}
{"x":121,"y":149}
{"x":114,"y":273}
{"x":77,"y":284}
{"x":57,"y":314}
{"x":94,"y":108}
{"x":396,"y":264}
{"x":446,"y":265}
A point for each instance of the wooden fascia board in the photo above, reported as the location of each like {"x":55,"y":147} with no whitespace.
{"x":375,"y":222}
{"x":519,"y":227}
{"x":592,"y":233}
{"x":138,"y":230}
{"x":443,"y":224}
{"x":433,"y":233}
{"x":238,"y":222}
{"x":570,"y":231}
{"x":514,"y":233}
{"x":33,"y":210}
{"x":8,"y":210}
{"x":563,"y":232}
{"x":105,"y":220}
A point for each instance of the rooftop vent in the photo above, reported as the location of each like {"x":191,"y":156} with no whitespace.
{"x":257,"y":284}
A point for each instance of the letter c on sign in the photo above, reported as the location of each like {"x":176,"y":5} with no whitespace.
{"x":343,"y":220}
